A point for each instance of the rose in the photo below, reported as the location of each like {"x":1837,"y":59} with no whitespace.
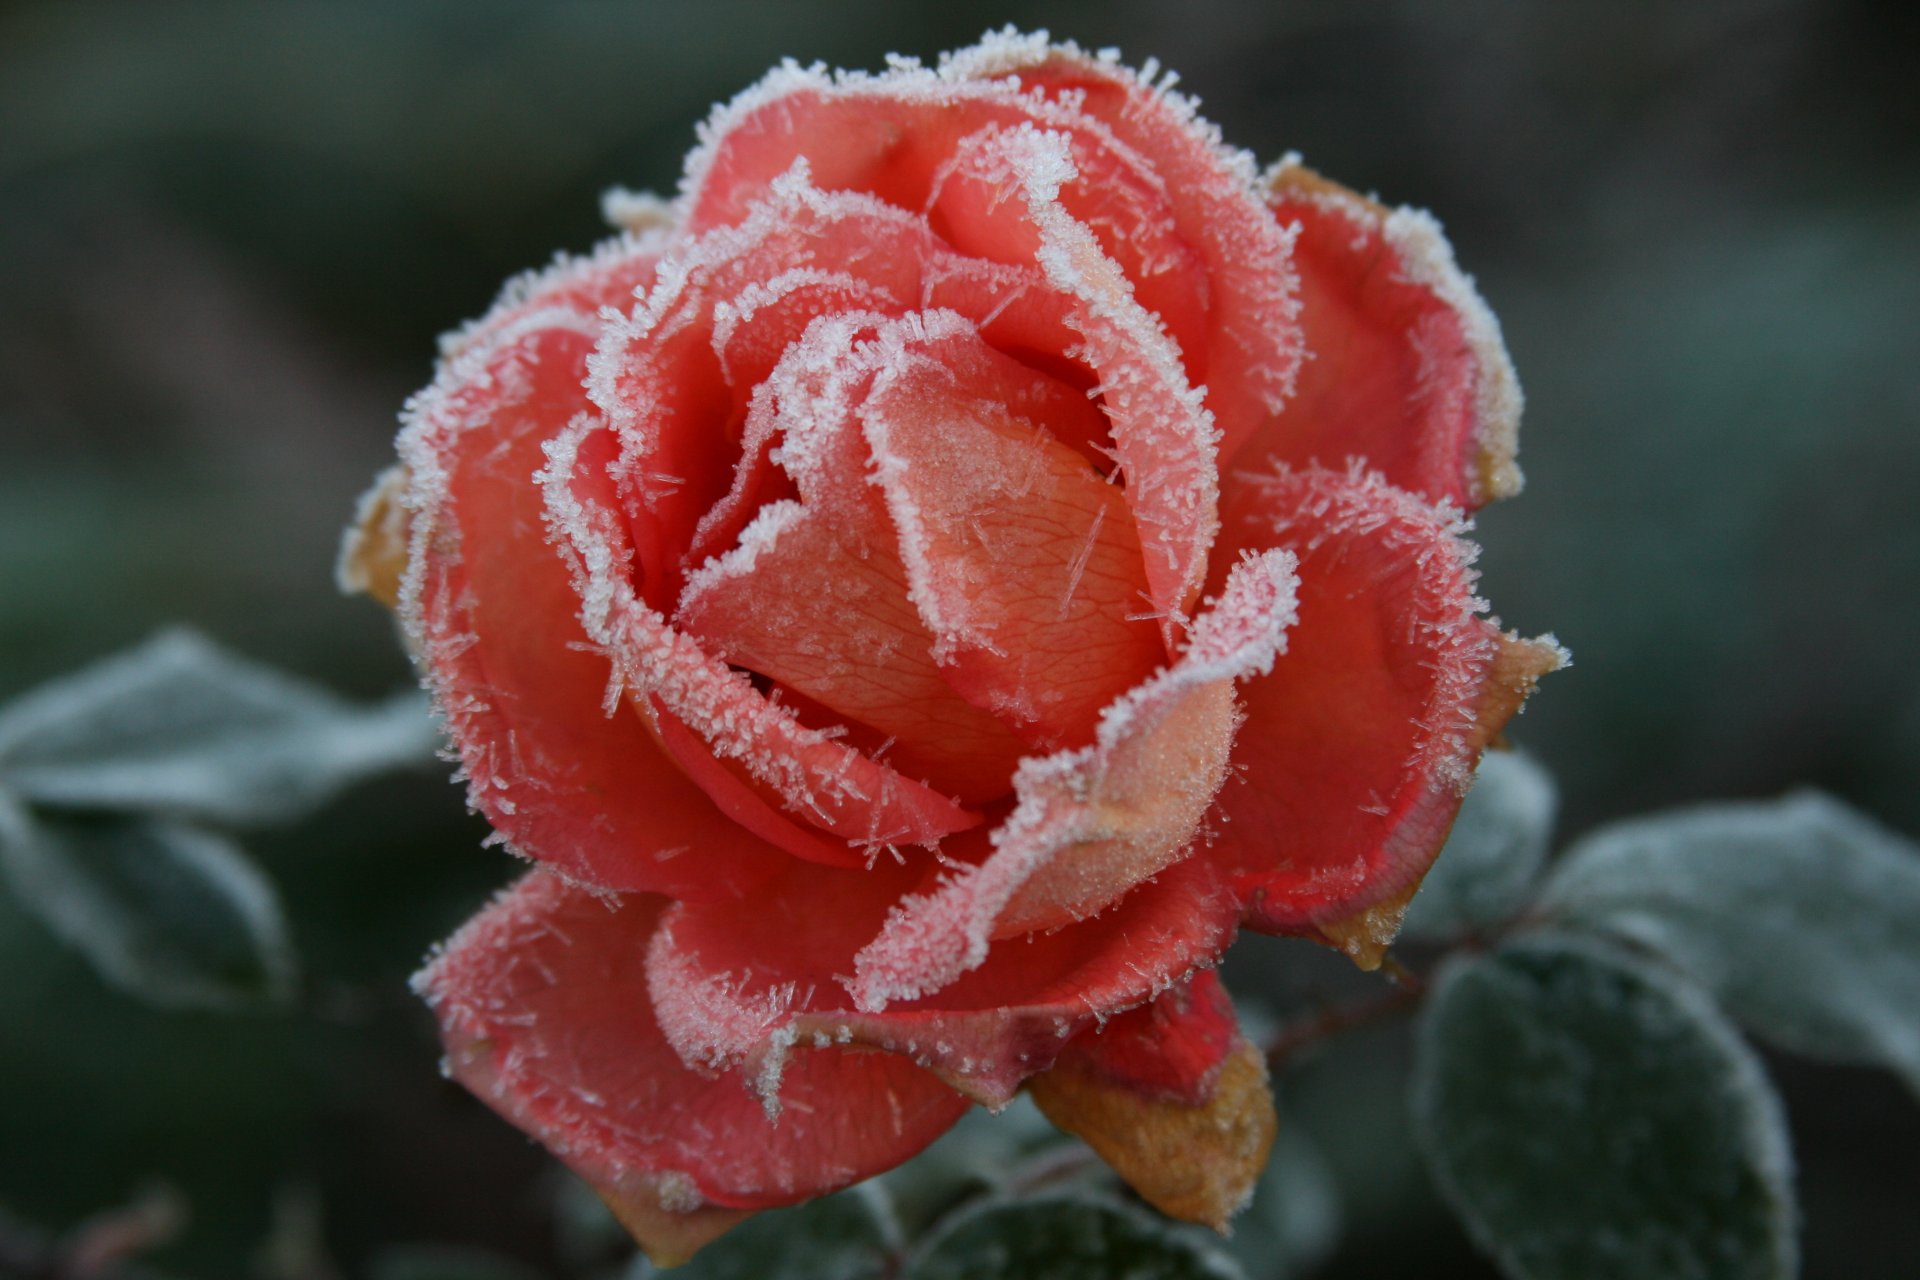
{"x":915,"y":597}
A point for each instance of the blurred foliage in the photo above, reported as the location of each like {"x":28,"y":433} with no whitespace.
{"x":229,"y":232}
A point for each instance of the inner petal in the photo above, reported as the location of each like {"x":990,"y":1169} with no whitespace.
{"x":815,"y":596}
{"x":975,"y":207}
{"x":817,"y":779}
{"x":1021,"y":558}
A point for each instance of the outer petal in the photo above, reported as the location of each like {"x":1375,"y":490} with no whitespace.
{"x":1408,"y":371}
{"x":543,"y":1006}
{"x":1358,"y":748}
{"x":1174,"y":1098}
{"x":1092,"y":823}
{"x":493,"y":619}
{"x":747,"y":983}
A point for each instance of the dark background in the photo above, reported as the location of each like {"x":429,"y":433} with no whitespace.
{"x":230,"y":232}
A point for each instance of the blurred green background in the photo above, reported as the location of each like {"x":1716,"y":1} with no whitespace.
{"x":230,"y":232}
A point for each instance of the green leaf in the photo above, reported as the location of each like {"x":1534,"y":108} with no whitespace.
{"x":1591,"y":1114}
{"x":180,"y":726}
{"x":169,"y":913}
{"x":1067,"y":1236}
{"x":1497,"y":846}
{"x":446,"y":1262}
{"x":1800,"y":915}
{"x":848,"y":1236}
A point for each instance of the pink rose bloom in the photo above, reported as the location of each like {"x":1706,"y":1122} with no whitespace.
{"x":917,"y":596}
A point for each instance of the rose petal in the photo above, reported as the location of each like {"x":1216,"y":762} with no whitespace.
{"x":1092,"y":823}
{"x":815,"y":597}
{"x":1173,"y":1098}
{"x":1022,"y":561}
{"x":818,"y":780}
{"x":544,"y":1009}
{"x":1114,"y":194}
{"x":1253,"y":341}
{"x":730,"y":787}
{"x":743,"y":984}
{"x":492,"y":616}
{"x":890,"y":134}
{"x":675,"y":378}
{"x":1163,"y":436}
{"x":1408,"y":372}
{"x":664,"y":378}
{"x":1357,"y":749}
{"x":1172,"y":1048}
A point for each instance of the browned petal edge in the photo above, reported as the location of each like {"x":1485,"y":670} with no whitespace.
{"x":667,"y":1217}
{"x":1294,"y":180}
{"x":373,"y":550}
{"x":1194,"y":1163}
{"x":1516,"y":669}
{"x":1417,"y":238}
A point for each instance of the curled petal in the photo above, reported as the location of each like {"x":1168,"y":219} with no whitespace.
{"x":744,"y":984}
{"x":373,"y":551}
{"x":1253,"y":341}
{"x":1408,"y":373}
{"x":815,"y":593}
{"x":1091,"y":823}
{"x":1357,"y":750}
{"x":611,"y":275}
{"x":891,"y":134}
{"x":544,"y":1010}
{"x":818,"y":779}
{"x":1023,"y":562}
{"x":813,"y":599}
{"x":1164,"y":438}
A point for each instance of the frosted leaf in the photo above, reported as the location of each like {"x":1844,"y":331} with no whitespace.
{"x":1497,"y":846}
{"x":1798,"y":914}
{"x":1074,"y":1235}
{"x":180,"y":726}
{"x":168,"y":913}
{"x":1589,"y":1114}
